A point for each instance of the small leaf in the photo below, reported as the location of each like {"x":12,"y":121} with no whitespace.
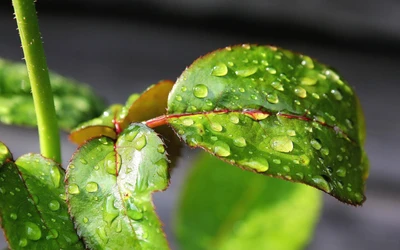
{"x":109,"y":190}
{"x":271,"y":111}
{"x":33,"y":211}
{"x":226,"y":208}
{"x":74,"y":102}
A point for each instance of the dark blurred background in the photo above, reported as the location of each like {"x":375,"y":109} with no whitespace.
{"x":122,"y":46}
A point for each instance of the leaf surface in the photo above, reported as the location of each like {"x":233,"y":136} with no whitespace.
{"x":33,"y":210}
{"x":225,"y":208}
{"x":271,"y":111}
{"x":74,"y":102}
{"x":109,"y":188}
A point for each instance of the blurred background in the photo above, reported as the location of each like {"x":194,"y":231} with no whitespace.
{"x":122,"y":46}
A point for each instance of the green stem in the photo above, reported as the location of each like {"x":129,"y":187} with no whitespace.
{"x":28,"y":26}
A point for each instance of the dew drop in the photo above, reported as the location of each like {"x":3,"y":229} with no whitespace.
{"x":271,"y":70}
{"x":161,"y":149}
{"x":187,"y":122}
{"x":277,"y":161}
{"x":109,"y":211}
{"x":85,"y":220}
{"x":277,"y":86}
{"x":307,"y":62}
{"x":286,"y":169}
{"x":110,"y":164}
{"x":53,"y":234}
{"x":341,"y":172}
{"x":221,"y":149}
{"x":272,"y":98}
{"x":216,"y":127}
{"x":234,"y":119}
{"x":241,"y":90}
{"x":83,"y":161}
{"x":92,"y":187}
{"x":308,"y":81}
{"x":33,"y":232}
{"x":246,"y":72}
{"x":282,"y":144}
{"x":336,"y":93}
{"x":73,"y":189}
{"x":131,"y":135}
{"x":258,"y":164}
{"x":359,"y":197}
{"x":13,"y":216}
{"x":219,"y":70}
{"x":183,"y":89}
{"x":321,"y":183}
{"x":55,"y":176}
{"x":291,"y":132}
{"x":178,"y":98}
{"x":315,"y":95}
{"x":101,"y":232}
{"x":23,"y":242}
{"x":35,"y":199}
{"x":54,"y":205}
{"x":240,"y":142}
{"x":134,"y":214}
{"x":140,"y":142}
{"x":200,"y":91}
{"x":325,"y":151}
{"x":315,"y":144}
{"x":300,"y":92}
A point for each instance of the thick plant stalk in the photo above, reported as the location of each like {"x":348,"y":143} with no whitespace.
{"x":28,"y":26}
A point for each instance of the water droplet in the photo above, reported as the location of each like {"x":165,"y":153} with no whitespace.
{"x":160,"y":149}
{"x":241,"y":90}
{"x":178,"y":98}
{"x":53,"y":234}
{"x":286,"y":169}
{"x":216,"y":127}
{"x":92,"y":187}
{"x":258,"y":164}
{"x":315,"y":144}
{"x":135,"y":214}
{"x":300,"y":92}
{"x":246,"y":46}
{"x":254,"y":97}
{"x":307,"y":62}
{"x":140,"y":142}
{"x":222,"y":149}
{"x":55,"y":176}
{"x":13,"y":216}
{"x":282,"y":144}
{"x":325,"y":151}
{"x":272,"y":98}
{"x":291,"y":132}
{"x":277,"y":86}
{"x":271,"y":70}
{"x":187,"y":122}
{"x":219,"y":70}
{"x":246,"y":72}
{"x":96,"y":167}
{"x":234,"y":119}
{"x":109,"y":211}
{"x":23,"y":242}
{"x":83,"y":161}
{"x":341,"y":172}
{"x":349,"y":124}
{"x":339,"y":157}
{"x":359,"y":197}
{"x":200,"y":91}
{"x":73,"y":189}
{"x":132,"y":135}
{"x":63,"y":197}
{"x":308,"y":81}
{"x":101,"y":232}
{"x":315,"y":95}
{"x":239,"y":142}
{"x":32,"y":231}
{"x":54,"y":205}
{"x":35,"y":199}
{"x":321,"y":183}
{"x":336,"y":93}
{"x":183,"y":89}
{"x":85,"y":220}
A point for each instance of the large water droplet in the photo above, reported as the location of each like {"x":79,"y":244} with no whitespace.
{"x":200,"y":91}
{"x":55,"y":176}
{"x":109,"y":210}
{"x":321,"y":183}
{"x":53,"y":234}
{"x":336,"y":93}
{"x":282,"y":144}
{"x":73,"y":189}
{"x":222,"y":149}
{"x":54,"y":205}
{"x":341,"y":172}
{"x":92,"y":187}
{"x":277,"y":86}
{"x":246,"y":72}
{"x":216,"y":127}
{"x":140,"y":142}
{"x":33,"y":232}
{"x":219,"y":70}
{"x":315,"y":144}
{"x":300,"y":92}
{"x":272,"y":98}
{"x":240,"y":142}
{"x":258,"y":164}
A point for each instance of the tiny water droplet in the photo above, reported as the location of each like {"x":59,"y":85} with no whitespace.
{"x":272,"y":98}
{"x":336,"y":93}
{"x":277,"y":161}
{"x":200,"y":91}
{"x":271,"y":70}
{"x":286,"y":169}
{"x":240,"y":142}
{"x":35,"y":199}
{"x":109,"y":210}
{"x":308,"y":81}
{"x":254,"y":97}
{"x":307,"y":62}
{"x":187,"y":122}
{"x":23,"y":242}
{"x":85,"y":220}
{"x":101,"y":232}
{"x":53,"y":234}
{"x":341,"y":172}
{"x":216,"y":127}
{"x":178,"y":98}
{"x":13,"y":216}
{"x":234,"y":119}
{"x":359,"y":197}
{"x":321,"y":183}
{"x":183,"y":89}
{"x":300,"y":92}
{"x":325,"y":151}
{"x":140,"y":142}
{"x":55,"y":176}
{"x":221,"y":149}
{"x":73,"y":189}
{"x":132,"y":135}
{"x":83,"y":161}
{"x":92,"y":187}
{"x":315,"y":144}
{"x":241,"y":90}
{"x":315,"y":95}
{"x":219,"y":70}
{"x":54,"y":205}
{"x":63,"y":197}
{"x":32,"y":231}
{"x":282,"y":144}
{"x":247,"y":71}
{"x":277,"y":86}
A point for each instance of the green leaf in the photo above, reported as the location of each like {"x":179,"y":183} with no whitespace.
{"x":274,"y":112}
{"x":74,"y":102}
{"x":225,"y":208}
{"x":33,"y":210}
{"x":109,"y":186}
